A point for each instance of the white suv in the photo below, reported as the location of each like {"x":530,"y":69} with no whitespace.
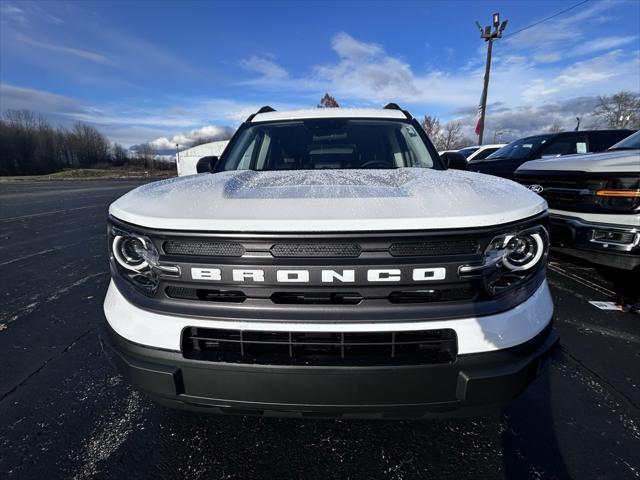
{"x":330,"y":265}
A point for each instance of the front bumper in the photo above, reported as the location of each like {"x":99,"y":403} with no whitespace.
{"x":472,"y":384}
{"x":577,"y":237}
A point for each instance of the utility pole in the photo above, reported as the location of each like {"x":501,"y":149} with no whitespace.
{"x":488,"y":35}
{"x":178,"y":158}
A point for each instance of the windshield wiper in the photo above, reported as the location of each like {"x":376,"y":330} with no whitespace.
{"x":622,"y":148}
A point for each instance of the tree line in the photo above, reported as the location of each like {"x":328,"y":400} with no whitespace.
{"x":30,"y":145}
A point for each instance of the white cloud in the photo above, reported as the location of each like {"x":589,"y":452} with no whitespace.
{"x":599,"y":75}
{"x":348,"y":47}
{"x":557,"y":33}
{"x":11,"y":13}
{"x":265,"y":66}
{"x":134,"y":122}
{"x":509,"y":123}
{"x":600,"y":44}
{"x":76,"y":52}
{"x":366,"y":74}
{"x":365,"y":71}
{"x":20,"y":98}
{"x":185,"y":139}
{"x":547,"y":57}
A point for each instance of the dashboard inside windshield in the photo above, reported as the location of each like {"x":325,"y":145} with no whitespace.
{"x":327,"y":144}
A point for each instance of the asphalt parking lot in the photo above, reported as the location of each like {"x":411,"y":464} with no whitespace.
{"x":66,"y":413}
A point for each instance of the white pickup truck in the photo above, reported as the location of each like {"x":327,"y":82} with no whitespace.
{"x":594,"y":203}
{"x":331,"y":264}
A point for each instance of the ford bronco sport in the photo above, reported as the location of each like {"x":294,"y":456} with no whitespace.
{"x":330,"y":264}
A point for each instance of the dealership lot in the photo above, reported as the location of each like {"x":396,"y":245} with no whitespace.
{"x":66,"y":413}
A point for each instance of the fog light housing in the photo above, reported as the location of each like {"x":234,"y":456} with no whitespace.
{"x":608,"y":236}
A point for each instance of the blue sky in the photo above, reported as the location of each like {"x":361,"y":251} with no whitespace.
{"x":172,"y":71}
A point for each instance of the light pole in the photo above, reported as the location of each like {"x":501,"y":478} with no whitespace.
{"x":488,"y":35}
{"x":177,"y":159}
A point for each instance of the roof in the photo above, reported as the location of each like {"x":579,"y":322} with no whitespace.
{"x":329,"y":113}
{"x":206,"y":149}
{"x":486,"y":145}
{"x":572,"y":132}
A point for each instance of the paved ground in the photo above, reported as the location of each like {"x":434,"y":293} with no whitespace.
{"x":65,"y":413}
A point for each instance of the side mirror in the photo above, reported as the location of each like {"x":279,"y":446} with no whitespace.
{"x":454,"y":160}
{"x":206,"y":164}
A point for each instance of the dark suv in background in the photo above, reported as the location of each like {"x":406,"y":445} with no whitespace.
{"x":505,"y":161}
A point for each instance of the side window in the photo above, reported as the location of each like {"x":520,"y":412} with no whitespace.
{"x":484,"y":153}
{"x":247,"y":156}
{"x":607,"y":139}
{"x":567,"y":145}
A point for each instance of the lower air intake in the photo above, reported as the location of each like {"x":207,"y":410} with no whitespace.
{"x":421,"y":347}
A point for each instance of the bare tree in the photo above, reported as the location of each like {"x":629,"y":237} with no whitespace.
{"x":431,"y":126}
{"x":620,"y":110}
{"x":555,"y":127}
{"x":88,"y":145}
{"x":145,"y":155}
{"x":119,"y":155}
{"x":451,"y":136}
{"x":29,"y":145}
{"x":328,"y":102}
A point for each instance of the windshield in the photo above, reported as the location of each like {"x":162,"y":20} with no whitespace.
{"x":327,"y":144}
{"x":520,"y":148}
{"x":632,"y":142}
{"x":465,"y":152}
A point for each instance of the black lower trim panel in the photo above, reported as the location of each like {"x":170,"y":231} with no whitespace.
{"x":467,"y":386}
{"x":573,"y":237}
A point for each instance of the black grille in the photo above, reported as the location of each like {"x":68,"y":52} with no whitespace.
{"x":324,"y":297}
{"x":351,"y":250}
{"x":433,"y":295}
{"x":567,"y":192}
{"x":316,"y":298}
{"x":441,"y":247}
{"x":320,"y":348}
{"x":203,"y":248}
{"x":206,"y":294}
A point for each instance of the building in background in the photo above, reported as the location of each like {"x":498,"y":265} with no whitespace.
{"x":187,"y":160}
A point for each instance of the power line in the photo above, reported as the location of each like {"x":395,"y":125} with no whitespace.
{"x":548,"y":18}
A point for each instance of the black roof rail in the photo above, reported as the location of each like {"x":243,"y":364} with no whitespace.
{"x":265,"y":109}
{"x":395,"y":106}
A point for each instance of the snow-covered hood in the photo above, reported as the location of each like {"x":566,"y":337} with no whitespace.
{"x":327,"y":200}
{"x":615,"y":161}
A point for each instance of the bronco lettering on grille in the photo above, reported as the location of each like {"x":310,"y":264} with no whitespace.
{"x":378,"y":275}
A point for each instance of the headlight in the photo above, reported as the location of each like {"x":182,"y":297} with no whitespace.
{"x":621,"y":194}
{"x":136,"y":259}
{"x":131,"y":252}
{"x":518,"y":252}
{"x":511,"y":259}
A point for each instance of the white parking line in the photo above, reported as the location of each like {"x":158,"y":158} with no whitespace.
{"x":587,"y":283}
{"x":22,"y":217}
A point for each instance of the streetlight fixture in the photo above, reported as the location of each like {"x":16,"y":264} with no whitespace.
{"x":488,"y":35}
